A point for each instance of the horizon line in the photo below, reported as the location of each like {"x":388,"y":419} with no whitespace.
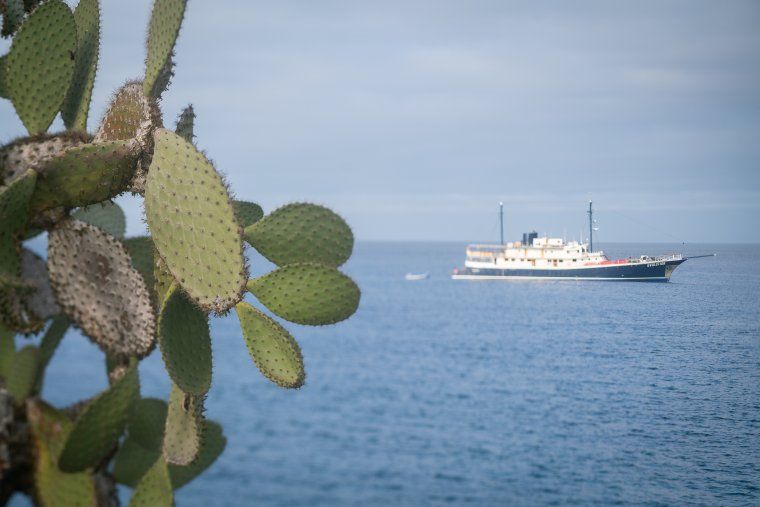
{"x":685,"y":243}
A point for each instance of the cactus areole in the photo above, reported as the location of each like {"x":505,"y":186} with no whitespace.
{"x":132,"y":295}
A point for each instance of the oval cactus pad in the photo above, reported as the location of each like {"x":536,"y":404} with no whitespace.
{"x":193,"y":224}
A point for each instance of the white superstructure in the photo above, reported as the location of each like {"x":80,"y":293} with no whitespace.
{"x":543,"y":253}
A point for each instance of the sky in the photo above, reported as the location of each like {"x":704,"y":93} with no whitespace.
{"x":413,"y":119}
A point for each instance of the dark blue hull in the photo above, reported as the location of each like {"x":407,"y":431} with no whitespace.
{"x":656,"y":271}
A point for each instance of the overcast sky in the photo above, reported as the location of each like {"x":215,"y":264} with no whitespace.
{"x":414,"y":119}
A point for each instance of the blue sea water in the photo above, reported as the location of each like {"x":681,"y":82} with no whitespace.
{"x":490,"y":393}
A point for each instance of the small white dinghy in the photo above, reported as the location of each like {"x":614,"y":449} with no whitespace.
{"x":417,"y":276}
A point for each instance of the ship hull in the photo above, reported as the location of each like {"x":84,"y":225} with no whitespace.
{"x":658,"y":271}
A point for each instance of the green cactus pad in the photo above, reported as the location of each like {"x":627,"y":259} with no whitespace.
{"x":23,"y":374}
{"x":49,"y":430}
{"x":275,"y":352}
{"x":213,"y":443}
{"x":14,"y":203}
{"x":86,"y":174}
{"x":13,"y":15}
{"x":101,"y":423}
{"x":14,"y":290}
{"x":28,"y":152}
{"x":248,"y":213}
{"x":146,"y":423}
{"x":117,"y":366}
{"x":302,"y":232}
{"x":50,"y":426}
{"x":164,"y":78}
{"x":193,"y":224}
{"x":155,"y":487}
{"x":106,"y":215}
{"x":140,"y":250}
{"x":185,"y":342}
{"x":25,"y":308}
{"x":3,"y":77}
{"x":46,"y":40}
{"x":132,"y":461}
{"x":76,"y":105}
{"x":182,"y":434}
{"x":112,"y":363}
{"x":307,"y":293}
{"x":53,"y":336}
{"x":95,"y":283}
{"x":164,"y":27}
{"x":48,"y":345}
{"x":7,"y":351}
{"x":185,"y":124}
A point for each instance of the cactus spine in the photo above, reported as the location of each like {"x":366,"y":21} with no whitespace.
{"x":127,"y":294}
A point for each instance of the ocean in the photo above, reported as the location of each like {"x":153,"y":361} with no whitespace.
{"x":489,"y":393}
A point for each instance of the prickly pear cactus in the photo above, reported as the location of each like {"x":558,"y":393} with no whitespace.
{"x":128,"y":295}
{"x":45,"y":40}
{"x":94,"y":281}
{"x":302,"y":232}
{"x":185,"y":342}
{"x":276,"y":353}
{"x":186,"y":203}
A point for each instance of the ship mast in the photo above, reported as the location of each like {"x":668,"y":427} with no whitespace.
{"x":501,"y":221}
{"x":590,"y":228}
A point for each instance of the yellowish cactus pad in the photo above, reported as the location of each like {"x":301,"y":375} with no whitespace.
{"x":193,"y":224}
{"x":275,"y":352}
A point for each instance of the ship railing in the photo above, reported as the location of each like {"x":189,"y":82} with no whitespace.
{"x":487,"y":248}
{"x":658,"y":258}
{"x":670,"y":257}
